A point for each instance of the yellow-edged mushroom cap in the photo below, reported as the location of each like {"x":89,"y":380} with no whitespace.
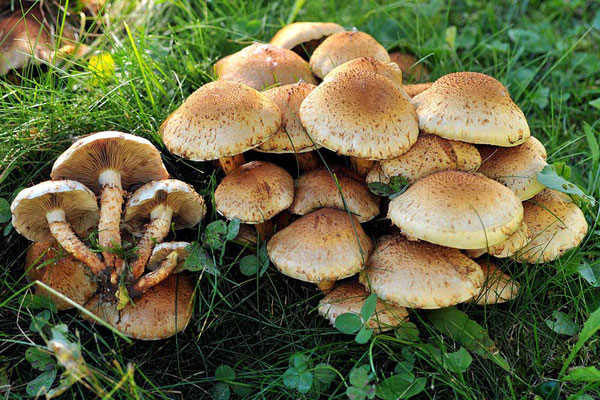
{"x":507,"y":248}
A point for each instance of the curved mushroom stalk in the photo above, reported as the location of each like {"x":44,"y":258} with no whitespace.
{"x":156,"y":232}
{"x":167,"y":266}
{"x":362,"y":165}
{"x":64,"y":235}
{"x":228,"y":164}
{"x":111,"y":204}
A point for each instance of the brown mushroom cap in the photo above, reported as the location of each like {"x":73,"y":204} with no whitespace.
{"x":221,"y":119}
{"x":46,"y":263}
{"x":296,"y":34}
{"x":23,"y":36}
{"x":389,"y":70}
{"x":421,"y":275}
{"x":325,"y":245}
{"x":318,"y":189}
{"x":31,"y":205}
{"x":255,"y":192}
{"x":349,"y":297}
{"x":515,"y":167}
{"x":431,"y":154}
{"x":471,"y":107}
{"x":410,"y":65}
{"x":291,"y":136}
{"x":161,"y":312}
{"x":188,"y":206}
{"x":360,"y":114}
{"x":261,"y":66}
{"x":498,"y":287}
{"x":162,"y":250}
{"x":458,"y":209}
{"x":556,"y":225}
{"x":345,"y":46}
{"x":507,"y":248}
{"x":417,"y":88}
{"x":135,"y":159}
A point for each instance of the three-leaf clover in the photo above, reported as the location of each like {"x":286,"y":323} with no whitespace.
{"x":298,"y":376}
{"x":253,"y":264}
{"x":199,"y":260}
{"x":361,"y":387}
{"x":227,"y":383}
{"x":351,"y":323}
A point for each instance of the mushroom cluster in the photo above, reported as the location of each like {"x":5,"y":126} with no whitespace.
{"x":320,"y":97}
{"x":115,"y":185}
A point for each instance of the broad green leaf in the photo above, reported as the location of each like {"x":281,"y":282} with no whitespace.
{"x":363,"y":335}
{"x":233,"y":228}
{"x":214,"y":233}
{"x":324,"y":373}
{"x":38,"y":302}
{"x":562,"y":324}
{"x":348,"y":323}
{"x":360,"y":376}
{"x":300,"y":361}
{"x":585,"y":374}
{"x":591,"y":326}
{"x":595,"y":103}
{"x":459,"y":361}
{"x":291,"y":377}
{"x":241,"y":390}
{"x":5,"y":214}
{"x":368,"y":308}
{"x":7,"y":229}
{"x":225,"y":373}
{"x":550,"y":177}
{"x":548,"y":390}
{"x":249,"y":265}
{"x":591,"y":273}
{"x":401,"y":386}
{"x":220,"y":391}
{"x":41,"y":384}
{"x":404,"y":367}
{"x":39,"y":359}
{"x":380,"y":189}
{"x":305,"y":381}
{"x":199,"y":260}
{"x":39,"y":321}
{"x":408,"y":332}
{"x":409,"y":354}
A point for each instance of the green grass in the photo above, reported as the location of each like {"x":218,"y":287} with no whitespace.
{"x":546,"y":52}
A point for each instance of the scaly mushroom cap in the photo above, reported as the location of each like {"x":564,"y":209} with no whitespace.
{"x":221,"y":119}
{"x":255,"y":192}
{"x":317,"y":189}
{"x":417,"y":88}
{"x":162,"y":250}
{"x":291,"y":136}
{"x":515,"y":167}
{"x":409,"y":65}
{"x":325,"y":245}
{"x":261,"y":66}
{"x":376,"y":175}
{"x":421,"y":275}
{"x":133,"y":157}
{"x":44,"y":262}
{"x":389,"y":70}
{"x":471,"y":107}
{"x":349,"y":297}
{"x":187,"y":205}
{"x":458,"y":209}
{"x":507,"y":248}
{"x":31,"y":205}
{"x":556,"y":225}
{"x":345,"y":46}
{"x":432,"y":154}
{"x":498,"y":287}
{"x":298,"y":33}
{"x":360,"y":114}
{"x":22,"y":37}
{"x":161,"y":312}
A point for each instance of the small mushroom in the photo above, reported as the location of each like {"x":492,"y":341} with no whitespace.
{"x":59,"y":210}
{"x":556,"y":225}
{"x":376,"y":175}
{"x":471,"y":107}
{"x":498,"y":287}
{"x":304,"y":37}
{"x":507,"y":248}
{"x":108,"y":163}
{"x":163,"y":250}
{"x":254,"y":193}
{"x":318,"y":189}
{"x":410,"y":65}
{"x":431,"y":154}
{"x":261,"y":66}
{"x":417,"y":88}
{"x":291,"y":137}
{"x":345,"y":46}
{"x":515,"y":167}
{"x":220,"y":121}
{"x":47,"y":263}
{"x":389,"y":70}
{"x":161,"y":312}
{"x":421,"y":275}
{"x":458,"y":209}
{"x":362,"y":115}
{"x":349,"y":297}
{"x":321,"y":247}
{"x":160,"y":203}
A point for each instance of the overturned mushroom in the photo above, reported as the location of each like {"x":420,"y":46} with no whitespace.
{"x":304,"y":37}
{"x":59,"y":210}
{"x":109,"y":163}
{"x":161,"y":203}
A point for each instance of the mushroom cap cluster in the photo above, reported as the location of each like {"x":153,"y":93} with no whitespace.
{"x":87,"y":194}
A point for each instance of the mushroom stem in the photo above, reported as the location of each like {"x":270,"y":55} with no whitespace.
{"x":228,"y":164}
{"x":308,"y":161}
{"x":64,"y":235}
{"x":326,"y":286}
{"x":362,"y":165}
{"x":156,"y":231}
{"x":111,"y":204}
{"x":265,"y":230}
{"x":155,"y":277}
